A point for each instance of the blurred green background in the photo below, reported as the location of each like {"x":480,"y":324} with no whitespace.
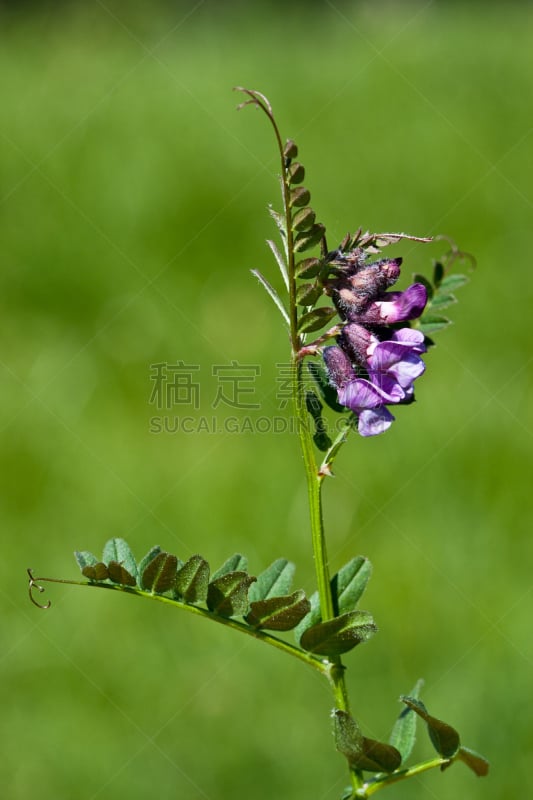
{"x":133,"y":205}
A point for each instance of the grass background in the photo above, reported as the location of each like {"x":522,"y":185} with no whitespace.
{"x":132,"y":207}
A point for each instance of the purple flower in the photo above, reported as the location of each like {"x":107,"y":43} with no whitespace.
{"x":369,"y":403}
{"x":394,"y":307}
{"x":374,"y":366}
{"x":392,"y":367}
{"x":395,"y":364}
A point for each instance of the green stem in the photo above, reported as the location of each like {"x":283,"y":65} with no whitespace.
{"x":370,"y":788}
{"x":336,"y":671}
{"x":334,"y":667}
{"x":317,"y":663}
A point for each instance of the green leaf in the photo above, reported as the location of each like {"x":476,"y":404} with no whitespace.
{"x":307,"y":294}
{"x":273,"y":295}
{"x":321,"y":440}
{"x":85,"y":559}
{"x":279,"y":219}
{"x":333,"y":450}
{"x":274,"y":581}
{"x":432,"y":324}
{"x":308,"y":268}
{"x":234,"y":563}
{"x":280,"y":262}
{"x":438,"y":273}
{"x":227,"y":595}
{"x":347,"y":587}
{"x":310,"y":238}
{"x":291,"y":149}
{"x":150,"y":555}
{"x":192,"y":580}
{"x":315,"y":319}
{"x":403,"y":734}
{"x":477,"y":763}
{"x":299,"y":197}
{"x":441,"y":300}
{"x":363,"y":753}
{"x":278,"y":613}
{"x":119,"y":550}
{"x":296,"y":173}
{"x":160,"y":574}
{"x":452,"y":282}
{"x":378,"y":757}
{"x":312,"y":618}
{"x":119,"y":574}
{"x":348,"y":736}
{"x":444,"y":738}
{"x":304,"y":219}
{"x":96,"y":572}
{"x":349,"y":583}
{"x":339,"y":635}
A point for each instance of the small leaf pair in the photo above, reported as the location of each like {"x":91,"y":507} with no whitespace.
{"x":349,"y":627}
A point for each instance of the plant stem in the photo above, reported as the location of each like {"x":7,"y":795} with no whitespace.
{"x":334,"y":667}
{"x":314,"y":491}
{"x":372,"y":787}
{"x":322,"y":665}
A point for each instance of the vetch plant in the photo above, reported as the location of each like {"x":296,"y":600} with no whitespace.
{"x":362,"y":369}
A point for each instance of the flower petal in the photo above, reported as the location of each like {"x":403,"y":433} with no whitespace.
{"x":360,"y":394}
{"x":374,"y":421}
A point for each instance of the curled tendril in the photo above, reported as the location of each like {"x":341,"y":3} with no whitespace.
{"x":454,"y":253}
{"x":34,"y":585}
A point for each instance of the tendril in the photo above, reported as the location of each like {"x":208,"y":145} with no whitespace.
{"x":34,"y":585}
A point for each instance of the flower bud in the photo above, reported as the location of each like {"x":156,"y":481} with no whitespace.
{"x":353,"y":292}
{"x":355,"y":340}
{"x":338,"y":365}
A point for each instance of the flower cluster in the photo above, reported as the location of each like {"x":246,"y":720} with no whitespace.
{"x":373,"y":365}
